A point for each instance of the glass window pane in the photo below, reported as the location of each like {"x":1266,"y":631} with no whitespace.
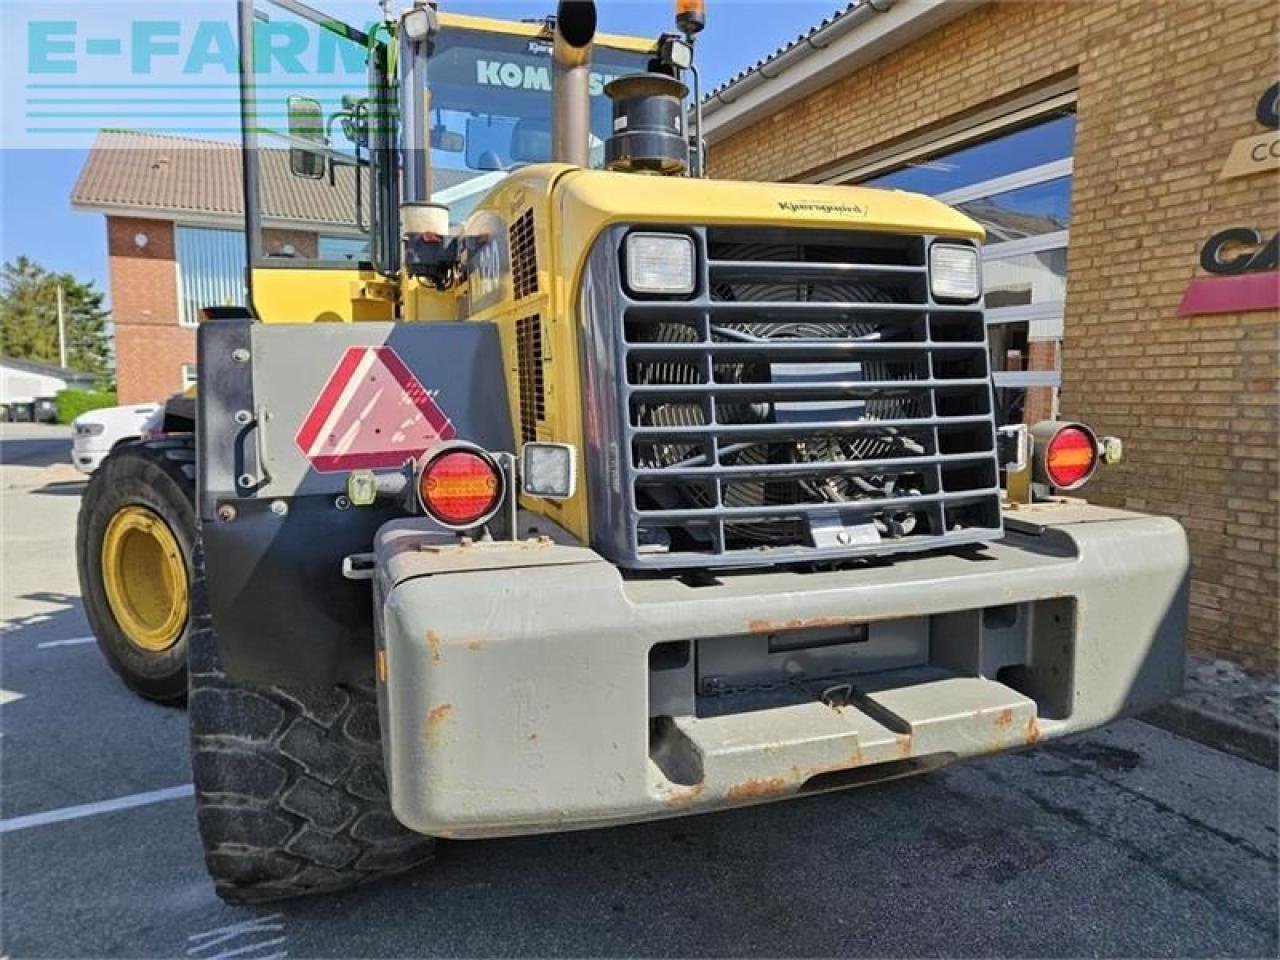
{"x":348,"y":249}
{"x":311,"y":109}
{"x":1031,"y":146}
{"x":210,"y":270}
{"x":1029,"y":278}
{"x":1025,"y":212}
{"x":491,"y":98}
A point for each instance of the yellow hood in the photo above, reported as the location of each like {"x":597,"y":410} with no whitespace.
{"x":599,"y":198}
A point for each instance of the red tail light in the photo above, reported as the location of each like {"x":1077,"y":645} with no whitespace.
{"x":460,"y":486}
{"x":1070,"y":457}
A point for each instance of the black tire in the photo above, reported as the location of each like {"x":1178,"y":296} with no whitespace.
{"x":160,"y":476}
{"x":291,"y":793}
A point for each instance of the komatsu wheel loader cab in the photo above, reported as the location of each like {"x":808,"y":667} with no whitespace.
{"x":544,"y":483}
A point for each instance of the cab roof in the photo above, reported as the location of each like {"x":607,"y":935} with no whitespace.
{"x":524,"y":28}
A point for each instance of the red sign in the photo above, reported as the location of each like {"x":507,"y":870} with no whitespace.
{"x":372,"y":413}
{"x":1239,"y":294}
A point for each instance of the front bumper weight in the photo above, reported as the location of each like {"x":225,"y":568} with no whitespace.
{"x":520,"y":689}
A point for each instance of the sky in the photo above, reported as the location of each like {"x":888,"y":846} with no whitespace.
{"x":37,"y":174}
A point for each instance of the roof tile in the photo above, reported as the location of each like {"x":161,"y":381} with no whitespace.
{"x":172,"y":174}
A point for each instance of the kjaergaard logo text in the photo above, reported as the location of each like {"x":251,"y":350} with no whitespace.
{"x":804,"y":206}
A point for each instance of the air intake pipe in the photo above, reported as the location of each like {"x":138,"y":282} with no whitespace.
{"x":571,"y":82}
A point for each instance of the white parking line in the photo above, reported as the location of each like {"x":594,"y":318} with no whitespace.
{"x":212,"y":939}
{"x":73,"y":642}
{"x":81,"y":810}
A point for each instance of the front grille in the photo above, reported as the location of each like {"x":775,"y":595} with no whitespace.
{"x":812,"y":402}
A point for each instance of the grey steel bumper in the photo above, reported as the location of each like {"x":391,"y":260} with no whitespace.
{"x":518,"y":692}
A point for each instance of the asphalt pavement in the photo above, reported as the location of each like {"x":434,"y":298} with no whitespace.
{"x":1128,"y":841}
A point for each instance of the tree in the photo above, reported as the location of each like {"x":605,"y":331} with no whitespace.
{"x":29,"y":318}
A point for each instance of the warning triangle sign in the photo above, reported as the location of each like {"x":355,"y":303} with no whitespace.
{"x":373,"y":413}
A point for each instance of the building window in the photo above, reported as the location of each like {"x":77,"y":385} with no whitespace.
{"x":1017,"y":184}
{"x":210,"y":271}
{"x":189,"y":376}
{"x":343,"y":249}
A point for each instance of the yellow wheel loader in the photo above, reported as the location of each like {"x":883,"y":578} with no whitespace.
{"x":543,"y":483}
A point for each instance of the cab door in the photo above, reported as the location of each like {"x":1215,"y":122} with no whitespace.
{"x":318,"y":167}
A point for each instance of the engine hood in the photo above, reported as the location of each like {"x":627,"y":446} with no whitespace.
{"x":589,"y":200}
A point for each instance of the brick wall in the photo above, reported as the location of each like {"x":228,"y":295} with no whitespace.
{"x":150,"y":345}
{"x":1164,"y":91}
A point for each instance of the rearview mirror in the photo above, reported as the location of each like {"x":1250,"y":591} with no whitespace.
{"x":449,"y":141}
{"x":489,"y":143}
{"x":531,"y":142}
{"x":306,"y":123}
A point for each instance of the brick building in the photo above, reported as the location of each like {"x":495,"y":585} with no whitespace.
{"x":175,"y":241}
{"x":1120,"y":153}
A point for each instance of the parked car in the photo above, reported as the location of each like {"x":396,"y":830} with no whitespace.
{"x":96,"y":433}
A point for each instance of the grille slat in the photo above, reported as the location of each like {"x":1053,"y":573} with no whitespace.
{"x":800,"y":510}
{"x":763,"y":430}
{"x":761,"y":308}
{"x":811,"y":469}
{"x":755,"y":269}
{"x":798,"y":349}
{"x":811,"y":401}
{"x":816,"y":389}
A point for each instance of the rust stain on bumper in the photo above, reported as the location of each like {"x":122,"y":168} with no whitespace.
{"x":1033,"y":729}
{"x":761,"y":789}
{"x":780,"y":626}
{"x":434,"y":644}
{"x":439,"y":715}
{"x":436,"y":717}
{"x":685,"y":796}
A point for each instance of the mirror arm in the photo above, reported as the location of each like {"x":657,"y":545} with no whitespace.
{"x":360,"y":224}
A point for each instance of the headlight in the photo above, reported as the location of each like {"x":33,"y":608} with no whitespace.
{"x":661,"y":263}
{"x":953,"y":272}
{"x":89,"y":429}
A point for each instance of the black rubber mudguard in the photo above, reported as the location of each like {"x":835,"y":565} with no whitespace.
{"x":275,"y":528}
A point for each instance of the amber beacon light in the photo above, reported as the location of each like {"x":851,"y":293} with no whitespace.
{"x":691,"y":16}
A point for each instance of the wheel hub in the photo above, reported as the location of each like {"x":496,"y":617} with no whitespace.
{"x":145,"y":578}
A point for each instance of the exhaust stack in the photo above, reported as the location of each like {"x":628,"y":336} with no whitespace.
{"x":571,"y":82}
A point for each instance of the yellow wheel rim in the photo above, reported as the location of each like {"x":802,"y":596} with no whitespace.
{"x":145,"y":579}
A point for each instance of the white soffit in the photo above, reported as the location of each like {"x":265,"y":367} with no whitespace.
{"x":868,"y":32}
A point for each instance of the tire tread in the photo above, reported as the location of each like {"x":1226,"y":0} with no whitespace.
{"x":291,"y":798}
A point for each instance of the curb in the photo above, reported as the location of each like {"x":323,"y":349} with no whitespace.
{"x":1217,"y":730}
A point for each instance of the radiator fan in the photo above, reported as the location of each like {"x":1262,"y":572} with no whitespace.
{"x":813,"y":449}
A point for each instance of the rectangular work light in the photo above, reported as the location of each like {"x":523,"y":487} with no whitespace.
{"x":953,"y":272}
{"x":660,"y":263}
{"x":548,"y":470}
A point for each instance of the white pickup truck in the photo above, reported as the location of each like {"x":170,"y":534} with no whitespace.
{"x":96,"y":433}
